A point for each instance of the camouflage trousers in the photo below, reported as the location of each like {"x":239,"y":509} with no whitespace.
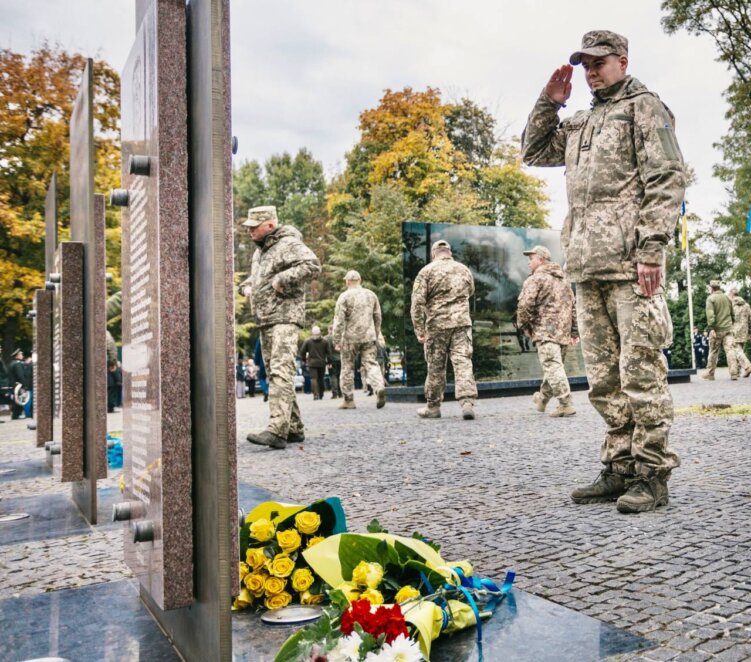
{"x":456,"y":343}
{"x":726,"y":340}
{"x":371,"y":369}
{"x":622,"y":335}
{"x":554,"y":381}
{"x":279,"y":349}
{"x":744,"y":364}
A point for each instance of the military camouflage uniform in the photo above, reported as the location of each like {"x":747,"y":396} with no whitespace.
{"x":719,"y":311}
{"x":741,"y":330}
{"x":440,"y":311}
{"x":625,"y":182}
{"x":546,"y":311}
{"x":356,"y":329}
{"x":284,"y":259}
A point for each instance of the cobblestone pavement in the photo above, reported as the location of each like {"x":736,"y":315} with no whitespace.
{"x":495,"y":490}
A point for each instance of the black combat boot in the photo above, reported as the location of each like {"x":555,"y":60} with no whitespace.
{"x":608,"y":486}
{"x":295,"y":437}
{"x":267,"y":438}
{"x":644,"y":494}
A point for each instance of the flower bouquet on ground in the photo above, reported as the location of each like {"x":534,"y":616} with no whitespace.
{"x":273,"y":537}
{"x":428,"y":598}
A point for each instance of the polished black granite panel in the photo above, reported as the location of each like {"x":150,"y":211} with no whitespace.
{"x":51,"y":516}
{"x":249,"y":496}
{"x":24,"y":470}
{"x":525,"y":628}
{"x":100,"y":622}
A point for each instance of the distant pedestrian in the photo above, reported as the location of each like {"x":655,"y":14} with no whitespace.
{"x":546,"y":312}
{"x":314,"y":354}
{"x":441,"y":320}
{"x":240,"y":378}
{"x":334,"y":366}
{"x":251,"y":373}
{"x":18,"y":377}
{"x":263,"y":384}
{"x":719,"y":311}
{"x":356,"y":329}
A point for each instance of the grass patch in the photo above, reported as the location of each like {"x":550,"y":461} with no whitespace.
{"x":715,"y":410}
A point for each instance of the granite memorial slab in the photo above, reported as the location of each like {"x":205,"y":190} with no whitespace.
{"x":98,"y":622}
{"x":11,"y":471}
{"x":204,"y":631}
{"x":157,"y":439}
{"x":50,"y":516}
{"x":43,"y":389}
{"x":524,"y":628}
{"x":87,"y":228}
{"x":65,"y":451}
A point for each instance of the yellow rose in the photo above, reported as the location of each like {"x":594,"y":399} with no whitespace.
{"x":244,"y":570}
{"x":302,"y":579}
{"x":465,"y":567}
{"x":307,"y":522}
{"x":262,"y":530}
{"x":281,"y":566}
{"x":372,"y":596}
{"x":255,"y":557}
{"x":351,"y":592}
{"x":278,"y":600}
{"x":245,"y":599}
{"x":315,"y":541}
{"x":254,"y":582}
{"x":274,"y":585}
{"x":367,"y":574}
{"x":406,"y":593}
{"x":288,"y":540}
{"x":308,"y":598}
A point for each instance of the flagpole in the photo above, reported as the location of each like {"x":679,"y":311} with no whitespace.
{"x":690,"y":288}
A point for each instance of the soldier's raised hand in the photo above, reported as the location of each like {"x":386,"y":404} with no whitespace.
{"x":559,"y":85}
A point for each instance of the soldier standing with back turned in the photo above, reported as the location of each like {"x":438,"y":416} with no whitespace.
{"x":625,"y":181}
{"x":280,"y":267}
{"x":546,"y":313}
{"x":440,"y":317}
{"x":356,"y":330}
{"x":720,"y":322}
{"x":741,"y":330}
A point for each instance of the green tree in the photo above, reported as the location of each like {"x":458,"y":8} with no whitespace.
{"x":728,"y":23}
{"x":37,"y":93}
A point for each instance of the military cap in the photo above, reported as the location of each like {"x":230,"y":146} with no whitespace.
{"x":16,"y":352}
{"x":599,"y":43}
{"x":352,"y":275}
{"x":539,"y":250}
{"x":715,"y":283}
{"x":441,"y":243}
{"x":258,"y":215}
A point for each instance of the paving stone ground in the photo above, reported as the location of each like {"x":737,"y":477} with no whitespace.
{"x":495,"y":490}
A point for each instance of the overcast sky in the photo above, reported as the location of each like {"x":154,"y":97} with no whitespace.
{"x":303,"y":70}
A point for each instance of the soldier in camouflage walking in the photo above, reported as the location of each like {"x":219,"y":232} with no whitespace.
{"x":546,"y":313}
{"x":356,"y":330}
{"x":280,"y":267}
{"x":741,"y":330}
{"x":440,"y":317}
{"x":625,"y":180}
{"x":720,"y":324}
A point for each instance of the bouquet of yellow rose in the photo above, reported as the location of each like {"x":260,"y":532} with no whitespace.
{"x":273,"y":570}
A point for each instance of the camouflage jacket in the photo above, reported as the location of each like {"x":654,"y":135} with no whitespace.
{"x":286,"y":260}
{"x":357,"y":317}
{"x":742,"y":314}
{"x":440,"y":296}
{"x":719,"y":311}
{"x":624,"y":177}
{"x":546,"y":306}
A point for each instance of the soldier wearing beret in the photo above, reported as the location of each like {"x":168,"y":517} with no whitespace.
{"x":440,"y":317}
{"x":720,"y":321}
{"x":546,"y":313}
{"x":281,"y":266}
{"x":625,"y":181}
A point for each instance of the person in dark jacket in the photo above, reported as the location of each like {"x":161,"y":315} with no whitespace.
{"x":315,"y":355}
{"x":17,"y":376}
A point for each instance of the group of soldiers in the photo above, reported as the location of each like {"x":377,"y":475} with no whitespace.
{"x":626,"y":180}
{"x":729,"y":324}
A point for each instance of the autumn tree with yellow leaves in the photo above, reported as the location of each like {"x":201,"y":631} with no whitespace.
{"x":37,"y":93}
